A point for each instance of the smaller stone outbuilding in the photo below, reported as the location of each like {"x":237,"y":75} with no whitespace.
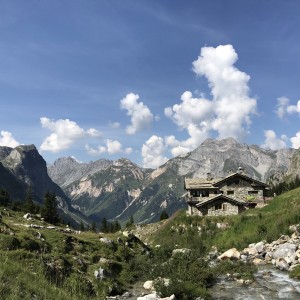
{"x":223,"y":196}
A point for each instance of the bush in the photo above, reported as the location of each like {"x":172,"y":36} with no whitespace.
{"x":78,"y":285}
{"x":295,"y":273}
{"x":8,"y":242}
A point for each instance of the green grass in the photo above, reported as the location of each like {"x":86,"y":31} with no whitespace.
{"x":267,"y":223}
{"x":61,"y":265}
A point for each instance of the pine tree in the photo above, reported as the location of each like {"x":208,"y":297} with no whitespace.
{"x":29,"y":205}
{"x":94,"y":227}
{"x":164,"y":215}
{"x":49,"y":212}
{"x":4,"y":197}
{"x":130,"y":222}
{"x":104,"y":226}
{"x":81,"y":226}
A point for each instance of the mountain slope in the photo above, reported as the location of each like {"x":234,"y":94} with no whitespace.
{"x":122,"y":189}
{"x":23,"y":167}
{"x":294,"y":167}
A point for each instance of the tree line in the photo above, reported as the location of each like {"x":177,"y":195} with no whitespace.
{"x":284,"y":186}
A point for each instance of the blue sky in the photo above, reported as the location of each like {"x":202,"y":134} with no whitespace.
{"x":148,"y":80}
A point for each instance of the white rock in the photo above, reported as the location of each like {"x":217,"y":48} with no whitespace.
{"x":184,"y":251}
{"x":282,"y":264}
{"x":106,"y":241}
{"x":260,"y":247}
{"x":148,"y":285}
{"x":27,"y":216}
{"x":284,"y":250}
{"x":148,"y":297}
{"x":230,"y":254}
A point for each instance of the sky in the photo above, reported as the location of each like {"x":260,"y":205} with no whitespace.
{"x":148,"y":79}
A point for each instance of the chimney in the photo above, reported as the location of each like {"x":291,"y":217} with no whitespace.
{"x":240,"y":170}
{"x":208,"y":176}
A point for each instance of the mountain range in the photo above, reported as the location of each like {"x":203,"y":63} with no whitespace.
{"x":121,"y":189}
{"x":118,"y":190}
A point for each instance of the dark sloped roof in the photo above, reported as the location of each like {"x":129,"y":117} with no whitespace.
{"x":255,"y":182}
{"x":203,"y":183}
{"x":195,"y":183}
{"x":221,"y":196}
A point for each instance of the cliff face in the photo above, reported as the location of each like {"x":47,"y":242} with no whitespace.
{"x":294,"y":166}
{"x":122,"y":189}
{"x":23,"y":167}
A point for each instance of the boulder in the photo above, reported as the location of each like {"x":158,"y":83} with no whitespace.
{"x":27,"y":216}
{"x":101,"y":274}
{"x":284,"y":250}
{"x":281,"y":264}
{"x":250,"y":251}
{"x":232,"y":254}
{"x":260,"y":247}
{"x":258,"y":261}
{"x":106,"y":241}
{"x":152,"y":296}
{"x":148,"y":285}
{"x":222,"y":226}
{"x":183,"y":251}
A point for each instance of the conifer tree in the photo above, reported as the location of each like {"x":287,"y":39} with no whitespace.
{"x":104,"y":226}
{"x":164,"y":215}
{"x":4,"y":197}
{"x":130,"y":222}
{"x":81,"y":226}
{"x":29,"y":205}
{"x":49,"y":212}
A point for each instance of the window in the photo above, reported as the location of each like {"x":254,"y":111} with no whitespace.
{"x":230,"y":192}
{"x":252,"y":192}
{"x":218,"y":206}
{"x":224,"y":206}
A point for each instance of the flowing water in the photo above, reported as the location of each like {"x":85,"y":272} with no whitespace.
{"x":270,"y":284}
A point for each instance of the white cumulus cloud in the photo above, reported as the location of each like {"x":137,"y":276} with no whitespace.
{"x":272,"y":142}
{"x":296,"y":141}
{"x":94,"y":132}
{"x":284,"y":107}
{"x":115,"y":125}
{"x":8,"y":140}
{"x":153,"y":152}
{"x":140,"y":114}
{"x":228,"y":112}
{"x":111,"y":147}
{"x":64,"y":133}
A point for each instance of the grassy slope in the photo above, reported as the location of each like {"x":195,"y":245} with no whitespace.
{"x":58,"y":266}
{"x":267,"y":223}
{"x":62,"y":265}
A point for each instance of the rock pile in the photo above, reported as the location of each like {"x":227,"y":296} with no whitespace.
{"x":284,"y":253}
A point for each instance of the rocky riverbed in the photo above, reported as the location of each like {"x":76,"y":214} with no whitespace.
{"x":269,"y":284}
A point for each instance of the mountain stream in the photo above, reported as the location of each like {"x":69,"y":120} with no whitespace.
{"x":269,"y":284}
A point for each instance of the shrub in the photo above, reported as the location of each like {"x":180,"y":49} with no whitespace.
{"x":295,"y":273}
{"x":8,"y":242}
{"x":78,"y":285}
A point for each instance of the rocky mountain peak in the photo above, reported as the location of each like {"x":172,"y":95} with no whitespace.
{"x":124,"y":162}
